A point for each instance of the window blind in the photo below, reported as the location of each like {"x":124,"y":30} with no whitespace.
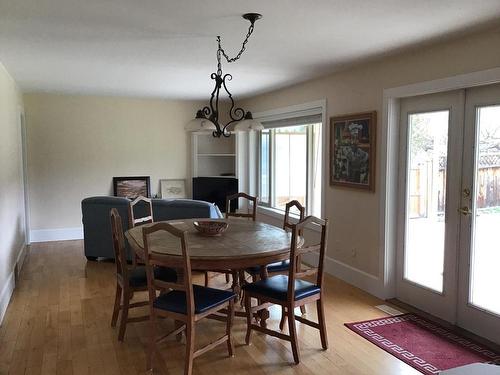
{"x":307,"y":117}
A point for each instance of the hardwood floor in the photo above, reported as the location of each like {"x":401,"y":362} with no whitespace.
{"x":58,"y":322}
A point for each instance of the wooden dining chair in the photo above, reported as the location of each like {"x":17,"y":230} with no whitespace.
{"x":291,"y":291}
{"x":280,"y":268}
{"x":128,"y":280}
{"x":185,"y":303}
{"x":228,"y":214}
{"x":132,"y":219}
{"x":250,"y":199}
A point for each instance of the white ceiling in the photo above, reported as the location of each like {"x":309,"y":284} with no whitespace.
{"x":166,"y":48}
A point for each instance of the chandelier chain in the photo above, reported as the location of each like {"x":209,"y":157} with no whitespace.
{"x":220,"y":50}
{"x":211,"y":111}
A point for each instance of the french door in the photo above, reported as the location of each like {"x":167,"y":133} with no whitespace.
{"x":448,"y":258}
{"x":478,"y":308}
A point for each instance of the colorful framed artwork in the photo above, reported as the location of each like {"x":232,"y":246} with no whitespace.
{"x":352,"y":150}
{"x":131,"y":187}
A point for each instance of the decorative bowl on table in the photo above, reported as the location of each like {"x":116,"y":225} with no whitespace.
{"x":210,"y":227}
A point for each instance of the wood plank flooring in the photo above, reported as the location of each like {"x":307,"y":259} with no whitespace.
{"x":58,"y":323}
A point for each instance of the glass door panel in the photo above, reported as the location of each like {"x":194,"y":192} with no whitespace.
{"x":485,"y":234}
{"x":430,"y":165}
{"x":478,"y":308}
{"x":426,"y":198}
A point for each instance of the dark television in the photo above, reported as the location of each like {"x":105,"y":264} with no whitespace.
{"x":215,"y":190}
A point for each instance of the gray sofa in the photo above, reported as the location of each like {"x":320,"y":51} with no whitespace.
{"x":97,"y":226}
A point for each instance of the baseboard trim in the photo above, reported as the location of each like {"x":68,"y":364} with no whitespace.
{"x":351,"y":275}
{"x":21,"y":258}
{"x":8,"y":288}
{"x":5,"y":295}
{"x":60,"y":234}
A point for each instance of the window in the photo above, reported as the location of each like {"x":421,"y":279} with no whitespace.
{"x":290,"y":163}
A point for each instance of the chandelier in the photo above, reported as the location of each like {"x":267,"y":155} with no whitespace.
{"x":207,"y":118}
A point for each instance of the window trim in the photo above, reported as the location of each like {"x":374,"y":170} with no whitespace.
{"x":272,"y":164}
{"x":270,"y":157}
{"x":310,"y":108}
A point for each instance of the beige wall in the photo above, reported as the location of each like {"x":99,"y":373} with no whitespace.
{"x":76,"y":144}
{"x":11,"y":184}
{"x":354,"y":214}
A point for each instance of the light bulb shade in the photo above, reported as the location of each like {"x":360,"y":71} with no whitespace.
{"x":248,"y":125}
{"x":199,"y":124}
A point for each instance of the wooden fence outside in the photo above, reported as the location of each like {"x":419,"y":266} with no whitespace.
{"x":488,"y":185}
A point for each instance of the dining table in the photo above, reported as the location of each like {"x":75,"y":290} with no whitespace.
{"x":244,"y":244}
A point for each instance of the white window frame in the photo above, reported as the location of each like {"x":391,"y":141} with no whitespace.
{"x":272,"y":160}
{"x":300,"y":110}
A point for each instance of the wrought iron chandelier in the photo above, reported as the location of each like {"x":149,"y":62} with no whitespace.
{"x":207,"y":118}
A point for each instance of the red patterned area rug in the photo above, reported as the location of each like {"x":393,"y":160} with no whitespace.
{"x":421,"y":344}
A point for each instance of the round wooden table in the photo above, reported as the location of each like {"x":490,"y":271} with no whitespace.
{"x":244,"y":244}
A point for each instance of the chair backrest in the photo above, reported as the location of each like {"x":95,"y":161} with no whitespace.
{"x":296,"y":253}
{"x":118,"y":245}
{"x":133,"y":221}
{"x":250,"y":198}
{"x":181,"y":262}
{"x":300,"y":208}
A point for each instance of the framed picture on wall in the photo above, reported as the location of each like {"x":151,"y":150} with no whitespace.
{"x":352,"y":150}
{"x":173,"y":189}
{"x":131,"y":187}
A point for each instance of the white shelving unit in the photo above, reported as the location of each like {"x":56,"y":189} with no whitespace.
{"x":213,"y":157}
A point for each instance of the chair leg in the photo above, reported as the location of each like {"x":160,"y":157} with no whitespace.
{"x":124,"y":317}
{"x":293,"y":334}
{"x":229,"y":325}
{"x":178,"y":324}
{"x":188,"y":366}
{"x":241,"y":276}
{"x":152,"y":341}
{"x":227,"y":278}
{"x":303,"y":309}
{"x":206,"y":278}
{"x":283,"y":318}
{"x":322,"y":323}
{"x":116,"y":308}
{"x":248,"y":308}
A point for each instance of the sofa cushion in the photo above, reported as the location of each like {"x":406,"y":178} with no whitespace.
{"x":176,"y":209}
{"x":97,"y":225}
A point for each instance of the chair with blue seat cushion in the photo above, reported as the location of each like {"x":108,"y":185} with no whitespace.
{"x":280,"y":268}
{"x":204,"y":300}
{"x":184,"y":302}
{"x":291,"y":291}
{"x":276,"y":287}
{"x":128,"y":280}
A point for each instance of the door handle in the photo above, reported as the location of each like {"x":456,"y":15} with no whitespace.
{"x":465,"y":210}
